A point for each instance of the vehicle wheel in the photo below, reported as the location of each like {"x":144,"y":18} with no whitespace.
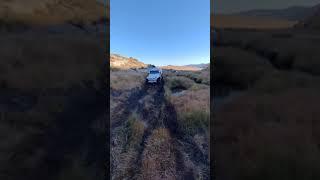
{"x":161,"y":81}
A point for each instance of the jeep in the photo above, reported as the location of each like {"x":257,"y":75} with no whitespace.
{"x":154,"y":76}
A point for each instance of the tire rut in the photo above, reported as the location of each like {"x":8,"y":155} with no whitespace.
{"x":151,"y":118}
{"x":161,"y":113}
{"x":188,"y":145}
{"x":127,"y":107}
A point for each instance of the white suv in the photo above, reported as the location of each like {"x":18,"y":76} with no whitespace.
{"x":154,"y":76}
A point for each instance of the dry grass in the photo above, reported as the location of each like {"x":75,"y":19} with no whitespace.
{"x":192,"y":106}
{"x":159,"y":156}
{"x":200,"y":77}
{"x":285,"y":49}
{"x":125,"y":80}
{"x":178,"y":82}
{"x":271,"y":131}
{"x":124,"y":154}
{"x":238,"y":67}
{"x":135,"y":130}
{"x":125,"y":63}
{"x":281,"y":81}
{"x":270,"y":136}
{"x":180,"y":68}
{"x":193,"y":110}
{"x":192,"y":100}
{"x":49,"y":61}
{"x":53,"y":71}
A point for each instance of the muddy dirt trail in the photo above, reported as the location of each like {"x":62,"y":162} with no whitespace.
{"x":150,"y":104}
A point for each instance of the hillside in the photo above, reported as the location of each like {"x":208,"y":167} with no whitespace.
{"x":265,"y":101}
{"x":294,"y":13}
{"x":248,"y":22}
{"x":182,"y":68}
{"x":121,"y":62}
{"x":312,"y":22}
{"x":44,"y":12}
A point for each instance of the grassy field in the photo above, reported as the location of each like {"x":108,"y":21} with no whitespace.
{"x":52,"y":107}
{"x":269,"y":131}
{"x":153,"y":126}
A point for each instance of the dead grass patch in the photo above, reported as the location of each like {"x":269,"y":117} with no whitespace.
{"x":125,"y":80}
{"x":193,"y":110}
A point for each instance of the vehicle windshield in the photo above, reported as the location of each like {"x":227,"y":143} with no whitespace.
{"x":154,"y":72}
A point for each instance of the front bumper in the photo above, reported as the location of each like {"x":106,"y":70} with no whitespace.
{"x":151,"y":80}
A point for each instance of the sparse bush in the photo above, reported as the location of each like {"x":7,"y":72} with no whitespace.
{"x":178,"y":83}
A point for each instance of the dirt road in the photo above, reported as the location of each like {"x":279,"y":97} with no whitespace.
{"x":154,"y":111}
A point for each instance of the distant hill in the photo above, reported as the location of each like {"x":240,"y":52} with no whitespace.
{"x":44,"y":12}
{"x":294,"y":13}
{"x":121,"y":62}
{"x":201,"y":66}
{"x":181,"y":68}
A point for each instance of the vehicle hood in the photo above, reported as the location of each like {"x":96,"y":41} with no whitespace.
{"x":153,"y":76}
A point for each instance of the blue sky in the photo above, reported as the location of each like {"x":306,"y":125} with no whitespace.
{"x":161,"y":32}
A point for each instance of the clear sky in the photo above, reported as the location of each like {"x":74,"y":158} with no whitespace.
{"x":161,"y":32}
{"x":231,"y":6}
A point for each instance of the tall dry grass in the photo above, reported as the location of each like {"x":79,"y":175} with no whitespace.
{"x":126,"y":80}
{"x":193,"y":110}
{"x":126,"y":150}
{"x":41,"y":75}
{"x":268,"y":136}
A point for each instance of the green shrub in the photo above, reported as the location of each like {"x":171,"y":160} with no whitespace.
{"x":194,"y":122}
{"x":179,"y":83}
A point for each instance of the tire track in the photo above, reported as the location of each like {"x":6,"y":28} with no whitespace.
{"x":151,"y":118}
{"x":160,"y":114}
{"x":127,"y":107}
